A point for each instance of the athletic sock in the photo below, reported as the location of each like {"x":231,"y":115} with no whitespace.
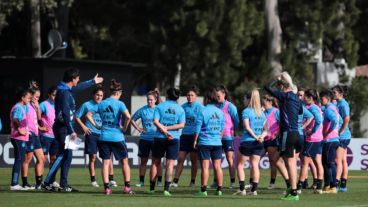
{"x":176,"y":180}
{"x":250,"y":180}
{"x":232,"y":180}
{"x":167,"y":185}
{"x":319,"y":184}
{"x":305,"y":184}
{"x":141,"y":178}
{"x":159,"y":178}
{"x":38,"y":180}
{"x":152,"y":185}
{"x":192,"y":181}
{"x":343,"y":182}
{"x":287,"y":182}
{"x":24,"y":181}
{"x":338,"y":182}
{"x":214,"y":180}
{"x":294,"y":192}
{"x":241,"y":185}
{"x":111,"y":177}
{"x":219,"y":188}
{"x":203,"y":188}
{"x":93,"y":178}
{"x":273,"y":180}
{"x":106,"y":185}
{"x":127,"y":184}
{"x":300,"y":185}
{"x":254,"y":187}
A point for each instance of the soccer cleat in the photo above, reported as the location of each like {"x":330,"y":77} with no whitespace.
{"x":249,"y":186}
{"x":317,"y":191}
{"x":16,"y":187}
{"x":141,"y":184}
{"x":290,"y":198}
{"x":68,"y":189}
{"x":232,"y":185}
{"x":271,"y":186}
{"x":108,"y":191}
{"x":113,"y":183}
{"x":175,"y":185}
{"x":240,"y":193}
{"x":299,"y":191}
{"x":128,"y":190}
{"x":28,"y":187}
{"x":48,"y":188}
{"x":330,"y":191}
{"x":254,"y":193}
{"x":38,"y":187}
{"x":167,"y":193}
{"x":213,"y":185}
{"x":342,"y":190}
{"x":151,"y":192}
{"x":95,"y":184}
{"x":159,"y":184}
{"x":218,"y":193}
{"x":200,"y":193}
{"x":192,"y":185}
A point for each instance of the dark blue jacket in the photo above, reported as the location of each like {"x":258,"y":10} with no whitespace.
{"x":290,"y":107}
{"x":65,"y":104}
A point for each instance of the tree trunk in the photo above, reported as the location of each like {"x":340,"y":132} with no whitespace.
{"x":35,"y":28}
{"x":274,"y":32}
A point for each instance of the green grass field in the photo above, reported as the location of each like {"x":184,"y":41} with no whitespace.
{"x":182,"y":196}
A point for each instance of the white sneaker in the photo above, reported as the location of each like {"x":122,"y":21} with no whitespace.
{"x":113,"y":183}
{"x":28,"y":187}
{"x":175,"y":185}
{"x":299,"y":192}
{"x":17,"y":187}
{"x":271,"y":186}
{"x":232,"y":185}
{"x":240,"y":192}
{"x":159,"y":184}
{"x":55,"y":184}
{"x":254,"y":193}
{"x":249,"y":186}
{"x":95,"y":184}
{"x":318,"y":191}
{"x":192,"y":185}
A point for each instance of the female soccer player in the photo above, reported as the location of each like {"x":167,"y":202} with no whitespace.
{"x":92,"y":133}
{"x":209,"y":128}
{"x":148,"y":131}
{"x":19,"y":134}
{"x":169,"y":118}
{"x":192,"y":110}
{"x":345,"y":136}
{"x":251,"y":144}
{"x":33,"y":145}
{"x":111,"y":140}
{"x":290,"y":108}
{"x":231,"y":124}
{"x":49,"y":143}
{"x":271,"y":142}
{"x":331,"y":141}
{"x":313,"y":146}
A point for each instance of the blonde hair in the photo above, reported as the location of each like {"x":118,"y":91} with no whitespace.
{"x":255,"y":102}
{"x":288,"y":82}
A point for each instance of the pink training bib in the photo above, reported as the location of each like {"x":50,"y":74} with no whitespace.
{"x":273,"y":125}
{"x":32,"y":120}
{"x":14,"y":134}
{"x":48,"y":119}
{"x":229,"y":123}
{"x":317,"y":136}
{"x":326,"y":125}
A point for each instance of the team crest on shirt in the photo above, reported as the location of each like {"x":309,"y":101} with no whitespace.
{"x":215,"y":116}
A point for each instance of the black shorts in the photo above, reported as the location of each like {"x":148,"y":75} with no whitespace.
{"x":163,"y":146}
{"x":33,"y":143}
{"x":186,"y":143}
{"x":106,"y":148}
{"x":209,"y":152}
{"x":249,"y":148}
{"x":144,"y":148}
{"x":290,"y":144}
{"x":90,"y":144}
{"x":227,"y":145}
{"x":344,"y":143}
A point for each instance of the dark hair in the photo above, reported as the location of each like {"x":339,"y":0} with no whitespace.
{"x":21,"y":92}
{"x":312,"y":93}
{"x":341,"y":89}
{"x":70,"y":74}
{"x":33,"y":87}
{"x":156,"y":94}
{"x":301,"y":88}
{"x":194,"y":89}
{"x":97,"y":89}
{"x":247,"y":95}
{"x":210,"y":97}
{"x":272,"y":99}
{"x":51,"y":90}
{"x":224,"y":90}
{"x":326,"y":93}
{"x":173,"y":94}
{"x":115,"y":86}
